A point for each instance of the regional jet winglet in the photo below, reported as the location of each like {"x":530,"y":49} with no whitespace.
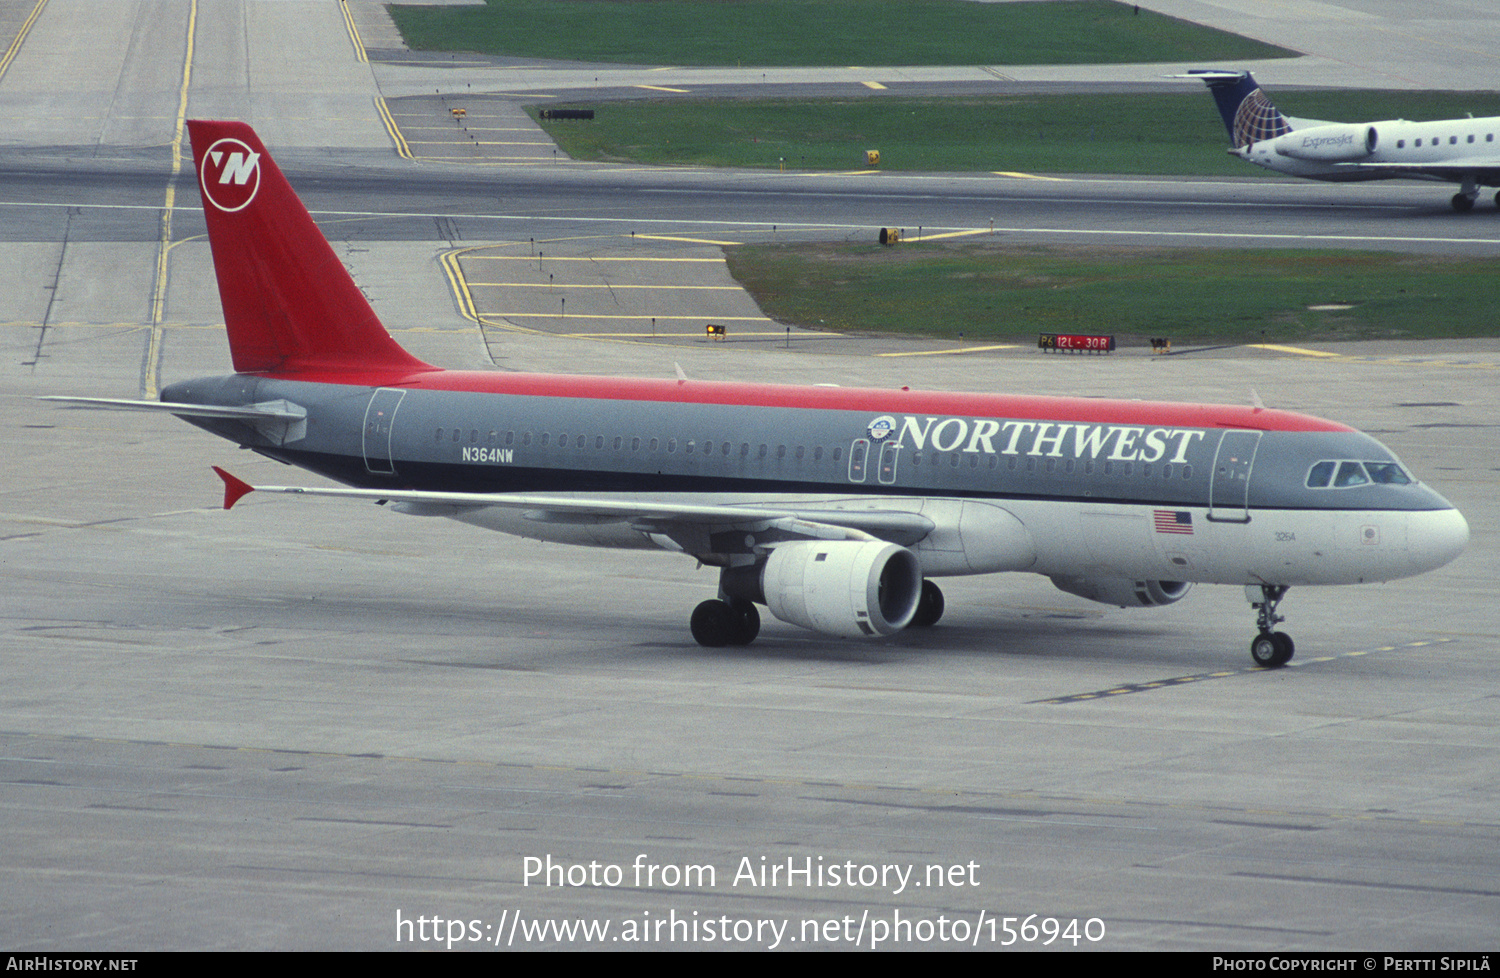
{"x":834,"y":508}
{"x":1462,"y":151}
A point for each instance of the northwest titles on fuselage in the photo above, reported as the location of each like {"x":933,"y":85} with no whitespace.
{"x":1053,"y":439}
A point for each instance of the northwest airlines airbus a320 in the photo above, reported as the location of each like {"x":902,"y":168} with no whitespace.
{"x":832,"y":507}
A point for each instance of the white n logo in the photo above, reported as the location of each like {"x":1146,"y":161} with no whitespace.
{"x":238,"y":177}
{"x":239,"y":169}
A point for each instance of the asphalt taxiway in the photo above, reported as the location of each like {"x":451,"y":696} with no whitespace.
{"x":301,"y":723}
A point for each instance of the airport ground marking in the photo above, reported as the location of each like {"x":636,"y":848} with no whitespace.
{"x":635,"y":318}
{"x":470,"y":128}
{"x":550,"y":258}
{"x":561,"y":286}
{"x":459,"y":284}
{"x":394,"y":131}
{"x":1297,"y":350}
{"x":696,"y":335}
{"x":969,"y":233}
{"x":481,"y":142}
{"x":354,"y":38}
{"x":702,"y":241}
{"x":1155,"y":684}
{"x":21,"y":35}
{"x":954,"y":350}
{"x":150,"y":382}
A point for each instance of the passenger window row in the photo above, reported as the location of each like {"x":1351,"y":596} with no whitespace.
{"x":745,"y":450}
{"x":1437,"y":140}
{"x":620,"y":443}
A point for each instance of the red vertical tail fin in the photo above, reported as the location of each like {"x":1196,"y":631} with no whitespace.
{"x":289,"y":303}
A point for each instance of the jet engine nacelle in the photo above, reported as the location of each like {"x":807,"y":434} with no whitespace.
{"x":859,"y":589}
{"x":1124,"y":592}
{"x":1328,"y":144}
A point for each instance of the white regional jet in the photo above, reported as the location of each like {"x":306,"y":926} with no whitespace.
{"x":1461,"y":151}
{"x":832,"y":507}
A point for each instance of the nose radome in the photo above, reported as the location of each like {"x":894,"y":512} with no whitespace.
{"x":1436,"y":537}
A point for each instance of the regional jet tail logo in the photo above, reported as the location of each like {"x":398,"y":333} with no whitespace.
{"x":230,"y":175}
{"x":1257,"y":119}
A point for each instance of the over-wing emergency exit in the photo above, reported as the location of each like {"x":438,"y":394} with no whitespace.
{"x":833,"y":508}
{"x":1461,"y":151}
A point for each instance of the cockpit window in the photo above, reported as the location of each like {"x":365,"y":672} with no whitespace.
{"x":1388,"y":473}
{"x":1321,"y":475}
{"x":1348,"y":474}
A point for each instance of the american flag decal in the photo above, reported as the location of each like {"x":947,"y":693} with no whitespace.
{"x":1173,"y":521}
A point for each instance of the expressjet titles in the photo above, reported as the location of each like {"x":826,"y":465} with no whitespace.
{"x":1054,"y":439}
{"x":1323,"y":142}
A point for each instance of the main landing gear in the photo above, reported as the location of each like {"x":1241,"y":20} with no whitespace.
{"x":1271,"y":649}
{"x":717,"y":623}
{"x":1468,"y":193}
{"x":929,"y":606}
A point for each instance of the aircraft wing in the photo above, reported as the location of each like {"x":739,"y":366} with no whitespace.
{"x":687,"y":524}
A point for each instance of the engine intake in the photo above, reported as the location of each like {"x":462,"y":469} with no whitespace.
{"x":858,"y":589}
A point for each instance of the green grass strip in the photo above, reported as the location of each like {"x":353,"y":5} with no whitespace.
{"x":1164,"y":134}
{"x":1054,"y":134}
{"x":988,"y":291}
{"x":766,"y":33}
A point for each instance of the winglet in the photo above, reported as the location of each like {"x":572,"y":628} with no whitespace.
{"x":234,"y":489}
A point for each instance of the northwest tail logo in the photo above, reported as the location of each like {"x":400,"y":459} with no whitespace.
{"x":229,"y":175}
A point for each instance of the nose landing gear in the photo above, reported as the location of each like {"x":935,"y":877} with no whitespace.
{"x":1270,"y":649}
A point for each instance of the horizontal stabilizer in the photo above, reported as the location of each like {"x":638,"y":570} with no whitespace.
{"x":180,"y":410}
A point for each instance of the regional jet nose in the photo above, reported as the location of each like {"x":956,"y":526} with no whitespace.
{"x":1436,"y":537}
